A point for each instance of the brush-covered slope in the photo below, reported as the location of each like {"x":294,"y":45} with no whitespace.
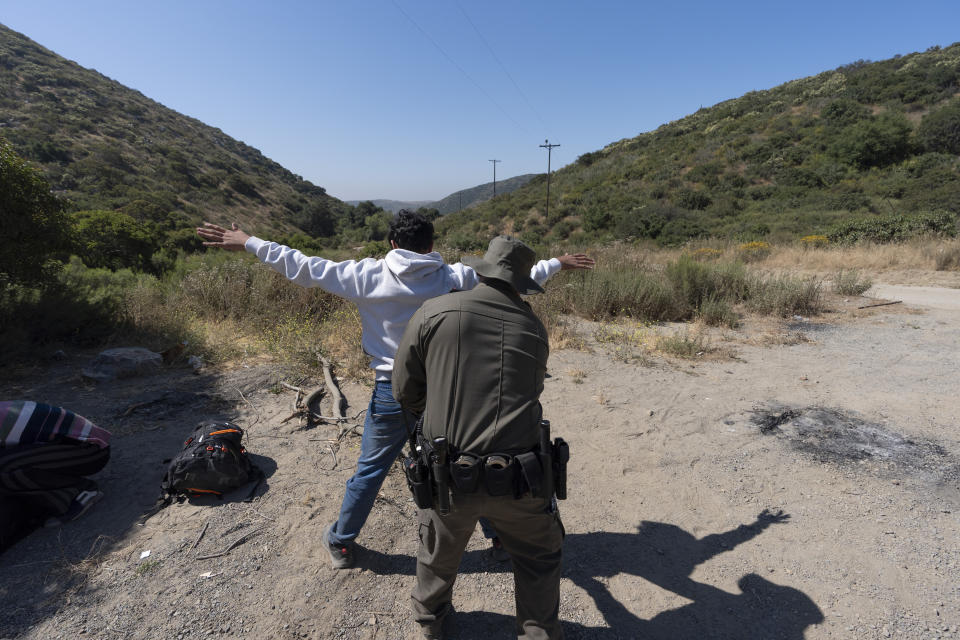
{"x":869,"y":139}
{"x":105,"y":146}
{"x":481,"y":193}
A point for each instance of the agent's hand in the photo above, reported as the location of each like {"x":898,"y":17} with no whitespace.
{"x":575,"y":261}
{"x":216,"y":236}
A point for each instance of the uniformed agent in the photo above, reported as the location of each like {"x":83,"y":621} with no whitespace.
{"x":473,"y":364}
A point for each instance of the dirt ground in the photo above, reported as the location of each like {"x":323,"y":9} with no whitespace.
{"x":803,"y":484}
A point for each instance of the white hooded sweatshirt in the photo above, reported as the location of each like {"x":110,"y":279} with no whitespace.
{"x":387,"y":292}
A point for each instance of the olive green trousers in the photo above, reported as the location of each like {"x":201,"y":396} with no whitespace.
{"x":531,"y":535}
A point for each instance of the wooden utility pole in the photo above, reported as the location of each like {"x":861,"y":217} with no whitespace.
{"x":495,"y":176}
{"x":549,"y":147}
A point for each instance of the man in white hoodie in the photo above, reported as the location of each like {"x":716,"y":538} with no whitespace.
{"x":387,"y":292}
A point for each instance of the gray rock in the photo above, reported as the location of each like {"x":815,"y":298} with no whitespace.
{"x":125,"y":362}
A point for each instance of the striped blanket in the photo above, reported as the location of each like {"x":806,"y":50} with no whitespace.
{"x":23,"y":422}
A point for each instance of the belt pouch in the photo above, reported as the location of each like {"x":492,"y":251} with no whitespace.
{"x":499,"y":475}
{"x":532,"y":471}
{"x":465,"y":472}
{"x":418,"y":480}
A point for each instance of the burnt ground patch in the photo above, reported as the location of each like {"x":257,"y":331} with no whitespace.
{"x":842,"y":438}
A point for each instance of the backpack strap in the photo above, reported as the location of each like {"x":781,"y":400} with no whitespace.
{"x":258,"y":472}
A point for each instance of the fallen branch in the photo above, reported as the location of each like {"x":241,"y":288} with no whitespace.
{"x":301,"y":408}
{"x":344,"y":430}
{"x":251,"y":406}
{"x":333,"y":452}
{"x":202,"y":531}
{"x":881,"y":304}
{"x":334,"y":389}
{"x":233,"y":544}
{"x":317,"y":416}
{"x":313,"y":397}
{"x":136,"y":405}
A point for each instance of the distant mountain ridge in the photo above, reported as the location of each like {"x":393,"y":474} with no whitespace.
{"x":466,"y":198}
{"x":458,"y":200}
{"x":393,"y":206}
{"x":105,"y":146}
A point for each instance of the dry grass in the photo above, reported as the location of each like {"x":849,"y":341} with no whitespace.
{"x":814,"y":256}
{"x":230,"y":308}
{"x":875,"y":258}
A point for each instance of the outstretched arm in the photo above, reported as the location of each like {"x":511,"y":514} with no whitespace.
{"x":346,"y":279}
{"x":543,"y":270}
{"x":575,"y":261}
{"x":216,"y":236}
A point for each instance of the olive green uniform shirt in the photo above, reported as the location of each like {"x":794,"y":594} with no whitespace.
{"x":474,"y":362}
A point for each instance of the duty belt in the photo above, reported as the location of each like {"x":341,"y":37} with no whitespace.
{"x":435,"y":468}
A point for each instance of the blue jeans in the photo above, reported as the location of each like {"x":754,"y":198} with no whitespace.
{"x":384,"y":434}
{"x":487,"y":528}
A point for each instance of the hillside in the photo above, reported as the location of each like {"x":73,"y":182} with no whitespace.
{"x":455,"y":201}
{"x":393,"y":206}
{"x":105,"y":146}
{"x":466,"y":198}
{"x":864,"y":141}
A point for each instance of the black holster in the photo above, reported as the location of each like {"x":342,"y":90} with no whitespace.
{"x":561,"y":455}
{"x":418,"y":480}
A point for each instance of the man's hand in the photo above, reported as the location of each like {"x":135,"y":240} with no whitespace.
{"x":575,"y":261}
{"x":216,"y":236}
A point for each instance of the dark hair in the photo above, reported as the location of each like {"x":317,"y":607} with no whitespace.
{"x":411,"y":231}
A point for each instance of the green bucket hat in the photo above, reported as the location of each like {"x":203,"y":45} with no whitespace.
{"x":510,"y":260}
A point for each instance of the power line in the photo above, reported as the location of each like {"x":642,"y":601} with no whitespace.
{"x":502,"y":66}
{"x":549,"y":147}
{"x":459,"y":68}
{"x":495,"y":176}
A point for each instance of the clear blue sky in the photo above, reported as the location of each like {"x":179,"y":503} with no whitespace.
{"x":410,"y":99}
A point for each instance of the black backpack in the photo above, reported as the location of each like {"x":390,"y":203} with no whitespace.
{"x":212,"y":462}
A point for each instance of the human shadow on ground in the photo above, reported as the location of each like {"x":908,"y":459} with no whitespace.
{"x":665,"y":555}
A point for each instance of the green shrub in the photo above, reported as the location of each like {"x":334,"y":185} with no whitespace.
{"x":606,"y":294}
{"x":939,"y":131}
{"x":895,"y":228}
{"x":784,"y":295}
{"x":691,"y":199}
{"x":849,"y":283}
{"x":683,"y":344}
{"x":877,"y":142}
{"x":33,"y":223}
{"x":696,"y":282}
{"x":717,"y":312}
{"x":111,"y":240}
{"x":83,"y":306}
